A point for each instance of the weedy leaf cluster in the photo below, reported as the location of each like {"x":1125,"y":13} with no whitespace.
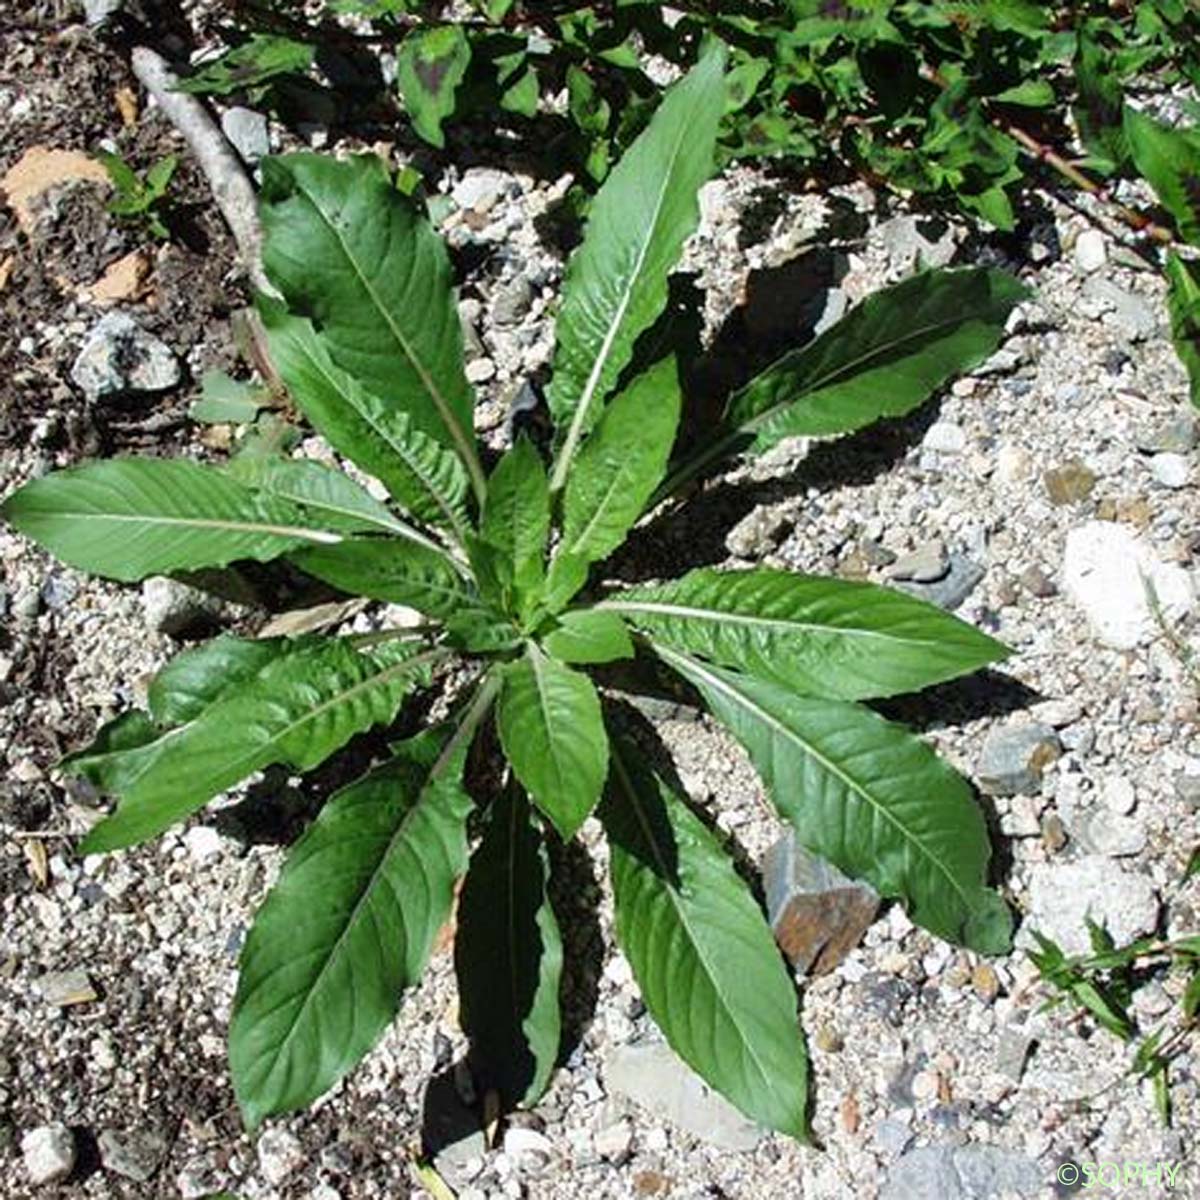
{"x":520,"y":610}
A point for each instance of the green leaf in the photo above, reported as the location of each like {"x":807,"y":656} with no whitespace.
{"x":616,"y":282}
{"x":553,"y":735}
{"x":588,"y":635}
{"x":589,"y":110}
{"x":362,"y":261}
{"x":342,"y":504}
{"x":196,"y":677}
{"x":1031,"y":93}
{"x":263,"y":58}
{"x":117,"y":753}
{"x":883,"y":359}
{"x":1169,"y":160}
{"x":621,"y":464}
{"x":508,"y":956}
{"x":392,"y":570}
{"x":126,"y":518}
{"x":869,"y":797}
{"x":703,"y":956}
{"x":320,"y":981}
{"x":423,"y":476}
{"x":823,"y":637}
{"x":1098,"y":112}
{"x":1183,"y":305}
{"x":225,"y":400}
{"x":521,"y":97}
{"x":430,"y":65}
{"x":298,"y":710}
{"x":516,"y":522}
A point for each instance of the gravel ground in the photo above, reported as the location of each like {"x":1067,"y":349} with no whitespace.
{"x":1039,"y":487}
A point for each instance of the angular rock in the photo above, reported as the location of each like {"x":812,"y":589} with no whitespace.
{"x":280,"y":1155}
{"x":1069,"y":483}
{"x":1175,"y":435}
{"x":118,"y":355}
{"x":949,"y":592}
{"x":757,"y":533}
{"x":953,"y":1172}
{"x":1063,"y":896}
{"x":1012,"y":1050}
{"x":926,"y":564}
{"x":913,"y":243}
{"x":452,"y":1133}
{"x":817,"y":914}
{"x":1014,"y":757}
{"x":64,"y":989}
{"x":98,"y":12}
{"x":247,"y":132}
{"x":513,"y":301}
{"x":482,"y":188}
{"x":1090,"y":251}
{"x":1110,"y":834}
{"x":49,"y":1153}
{"x":1117,"y":795}
{"x":944,"y":437}
{"x":1171,"y":470}
{"x":1106,"y":570}
{"x":175,"y":609}
{"x":1187,"y":788}
{"x":134,"y":1155}
{"x":650,"y":1074}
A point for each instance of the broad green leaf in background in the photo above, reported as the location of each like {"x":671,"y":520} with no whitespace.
{"x":392,"y":570}
{"x":298,"y":710}
{"x":616,"y":282}
{"x":884,"y":358}
{"x":822,"y":637}
{"x":516,"y":519}
{"x":225,"y":400}
{"x":263,"y":58}
{"x":1098,"y":112}
{"x":424,"y":476}
{"x":508,"y":956}
{"x":127,"y":518}
{"x":553,"y":734}
{"x":348,"y":250}
{"x":348,"y":926}
{"x":620,"y":465}
{"x":588,"y":635}
{"x":705,"y":961}
{"x":1169,"y":160}
{"x":430,"y":65}
{"x":1183,"y":304}
{"x":118,"y":752}
{"x":868,"y":796}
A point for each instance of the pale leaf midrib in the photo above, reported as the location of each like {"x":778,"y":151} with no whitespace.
{"x":230,"y":525}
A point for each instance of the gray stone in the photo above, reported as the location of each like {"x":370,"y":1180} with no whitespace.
{"x":118,"y":355}
{"x":1187,"y":788}
{"x":482,"y":188}
{"x":916,"y":242}
{"x":949,"y":592}
{"x":175,"y":609}
{"x":1014,"y":757}
{"x":1013,"y":1046}
{"x":134,"y":1155}
{"x":280,"y":1155}
{"x":1176,"y":435}
{"x":58,"y":590}
{"x":452,"y":1133}
{"x":1064,"y":896}
{"x":944,"y":437}
{"x":614,"y":1142}
{"x":1132,"y":315}
{"x":1171,"y":470}
{"x":513,"y":301}
{"x":1090,"y":251}
{"x":757,"y":533}
{"x":650,"y":1074}
{"x":1070,"y":483}
{"x":1110,"y":834}
{"x":891,"y":1138}
{"x":247,"y":133}
{"x":1107,"y":572}
{"x":98,"y":12}
{"x":63,"y":989}
{"x":1117,"y":795}
{"x":49,"y":1153}
{"x":817,"y":914}
{"x":953,"y":1172}
{"x":926,"y":564}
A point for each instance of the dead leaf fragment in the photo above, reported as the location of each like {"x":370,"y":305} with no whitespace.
{"x":850,"y":1113}
{"x":6,"y":269}
{"x":122,"y":280}
{"x":64,"y":989}
{"x":127,"y":106}
{"x":36,"y":861}
{"x":38,"y":170}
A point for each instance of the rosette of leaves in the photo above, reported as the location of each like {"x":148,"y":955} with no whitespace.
{"x":507,"y":566}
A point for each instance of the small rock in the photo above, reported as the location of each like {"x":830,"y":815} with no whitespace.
{"x":452,"y":1132}
{"x":175,"y":608}
{"x":1176,"y":435}
{"x":482,"y":188}
{"x":649,"y":1074}
{"x":1090,"y":251}
{"x":985,"y":982}
{"x":203,"y":842}
{"x":64,"y":989}
{"x":1187,"y":788}
{"x":1117,"y":795}
{"x":134,"y":1155}
{"x":949,"y":592}
{"x":615,"y":1143}
{"x":818,"y":915}
{"x":757,"y":533}
{"x":1111,"y":835}
{"x":98,"y":12}
{"x":1063,"y":896}
{"x":1054,"y":833}
{"x":527,"y":1147}
{"x":513,"y":301}
{"x":119,"y":356}
{"x":1014,"y":757}
{"x":1105,"y":571}
{"x":926,"y":564}
{"x":1013,"y":463}
{"x":891,"y":1138}
{"x":1070,"y":483}
{"x":49,"y":1153}
{"x":58,"y":590}
{"x":1037,"y":583}
{"x":280,"y":1155}
{"x":954,"y":1172}
{"x":1012,"y":1050}
{"x":247,"y":132}
{"x":944,"y":437}
{"x":1171,"y":470}
{"x":913,"y":243}
{"x":480,"y":370}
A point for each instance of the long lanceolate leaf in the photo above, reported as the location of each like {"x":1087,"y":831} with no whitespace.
{"x":1183,"y":304}
{"x":824,"y":637}
{"x":348,"y":926}
{"x":508,"y":955}
{"x":868,"y":796}
{"x":129,"y":518}
{"x":425,"y":477}
{"x":347,"y":249}
{"x":298,"y":710}
{"x":1169,"y":159}
{"x":616,"y":284}
{"x":704,"y":959}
